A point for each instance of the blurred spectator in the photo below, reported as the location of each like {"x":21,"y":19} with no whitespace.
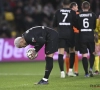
{"x":48,"y":9}
{"x":8,"y":14}
{"x":95,"y":6}
{"x":12,"y":3}
{"x":19,"y":5}
{"x":19,"y":17}
{"x":23,"y":14}
{"x":29,"y":9}
{"x":5,"y":30}
{"x":29,"y":22}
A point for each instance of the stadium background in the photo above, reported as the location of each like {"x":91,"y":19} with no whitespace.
{"x":16,"y":16}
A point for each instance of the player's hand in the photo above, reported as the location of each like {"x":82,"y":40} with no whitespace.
{"x":31,"y":53}
{"x":32,"y":56}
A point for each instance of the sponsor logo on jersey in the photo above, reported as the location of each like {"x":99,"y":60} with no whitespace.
{"x":86,"y":15}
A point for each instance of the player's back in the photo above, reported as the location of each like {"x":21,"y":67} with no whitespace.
{"x":87,"y":24}
{"x":64,"y":21}
{"x":39,"y":34}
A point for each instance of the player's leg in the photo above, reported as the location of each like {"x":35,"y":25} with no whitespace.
{"x":96,"y":63}
{"x":72,"y":60}
{"x":61,"y":61}
{"x":85,"y":64}
{"x":84,"y":52}
{"x":48,"y":69}
{"x":50,"y":48}
{"x":49,"y":66}
{"x":91,"y":47}
{"x":76,"y":53}
{"x":67,"y":59}
{"x":60,"y":56}
{"x":76,"y":63}
{"x":71,"y":44}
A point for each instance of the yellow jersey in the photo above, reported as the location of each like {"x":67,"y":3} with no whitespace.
{"x":98,"y":30}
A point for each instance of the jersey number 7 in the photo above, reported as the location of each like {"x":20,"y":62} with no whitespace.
{"x":65,"y":16}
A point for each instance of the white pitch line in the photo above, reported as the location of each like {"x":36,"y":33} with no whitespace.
{"x":16,"y":74}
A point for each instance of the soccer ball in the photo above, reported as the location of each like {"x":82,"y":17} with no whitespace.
{"x":31,"y":53}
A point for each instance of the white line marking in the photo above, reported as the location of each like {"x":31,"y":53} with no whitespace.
{"x":16,"y":74}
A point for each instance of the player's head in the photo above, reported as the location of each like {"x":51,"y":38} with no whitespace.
{"x":20,"y":42}
{"x":74,"y":6}
{"x":65,"y":2}
{"x":85,"y":5}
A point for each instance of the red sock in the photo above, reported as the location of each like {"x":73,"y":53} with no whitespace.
{"x":76,"y":64}
{"x":67,"y":64}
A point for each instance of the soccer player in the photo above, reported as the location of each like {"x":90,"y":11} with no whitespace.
{"x":87,"y":24}
{"x":64,"y":20}
{"x":74,"y":7}
{"x":97,"y":46}
{"x":38,"y":36}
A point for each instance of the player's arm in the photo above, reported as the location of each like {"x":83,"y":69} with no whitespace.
{"x":34,"y":40}
{"x":76,"y":29}
{"x":77,"y":22}
{"x":32,"y":53}
{"x":38,"y":42}
{"x":39,"y":39}
{"x":74,"y":18}
{"x":38,"y":46}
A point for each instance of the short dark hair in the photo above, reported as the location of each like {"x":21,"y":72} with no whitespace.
{"x":73,"y":4}
{"x":66,"y":2}
{"x":85,"y":5}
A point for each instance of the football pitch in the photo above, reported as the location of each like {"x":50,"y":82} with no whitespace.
{"x":23,"y":75}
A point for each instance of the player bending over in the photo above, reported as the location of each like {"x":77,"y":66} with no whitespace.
{"x":38,"y":36}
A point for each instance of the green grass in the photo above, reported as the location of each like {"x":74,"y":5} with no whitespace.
{"x":23,"y":75}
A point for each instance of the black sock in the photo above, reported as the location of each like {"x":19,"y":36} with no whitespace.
{"x":92,"y":58}
{"x":61,"y":62}
{"x":72,"y":59}
{"x":85,"y":64}
{"x":49,"y":66}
